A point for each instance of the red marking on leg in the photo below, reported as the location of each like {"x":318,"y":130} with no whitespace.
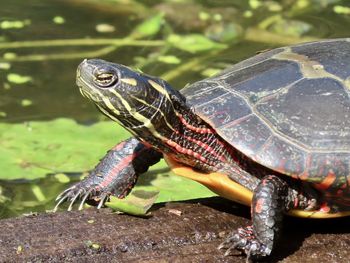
{"x":116,"y":169}
{"x":259,"y":205}
{"x":119,"y":146}
{"x":327,"y":181}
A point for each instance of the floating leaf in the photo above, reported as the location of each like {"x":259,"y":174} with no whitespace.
{"x":209,"y":72}
{"x":18,"y":79}
{"x":9,"y":55}
{"x":290,"y":27}
{"x":105,"y":28}
{"x":62,"y":178}
{"x":17,"y":24}
{"x":217,"y":17}
{"x":26,"y":102}
{"x":169,"y":59}
{"x":224,"y":32}
{"x":344,"y":10}
{"x":38,"y":193}
{"x":248,"y":14}
{"x":148,"y":28}
{"x":254,"y":4}
{"x":5,"y":65}
{"x":59,"y":20}
{"x":193,"y":43}
{"x":34,"y":149}
{"x":7,"y":86}
{"x":204,"y":16}
{"x":274,"y":6}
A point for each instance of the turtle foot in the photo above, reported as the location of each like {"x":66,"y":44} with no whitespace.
{"x":245,"y":240}
{"x":83,"y":191}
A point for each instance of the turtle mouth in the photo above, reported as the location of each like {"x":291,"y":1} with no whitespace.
{"x":84,"y":82}
{"x":87,"y":91}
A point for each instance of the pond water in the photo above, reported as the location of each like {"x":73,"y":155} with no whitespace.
{"x":37,"y":78}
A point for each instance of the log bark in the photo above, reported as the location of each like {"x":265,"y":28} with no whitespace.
{"x":175,"y":232}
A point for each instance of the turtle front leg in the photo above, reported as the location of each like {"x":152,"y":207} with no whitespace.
{"x":271,"y":198}
{"x":116,"y":174}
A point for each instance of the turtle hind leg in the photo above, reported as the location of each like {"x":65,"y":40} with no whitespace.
{"x":271,"y":199}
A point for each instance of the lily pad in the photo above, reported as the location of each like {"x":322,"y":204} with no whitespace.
{"x":31,"y":150}
{"x":169,"y":59}
{"x":16,"y":24}
{"x":59,"y":20}
{"x":148,"y":28}
{"x":18,"y":79}
{"x":193,"y":43}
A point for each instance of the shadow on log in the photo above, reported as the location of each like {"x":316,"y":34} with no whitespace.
{"x":176,"y":232}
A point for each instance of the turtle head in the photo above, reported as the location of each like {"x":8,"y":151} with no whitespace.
{"x":144,"y":105}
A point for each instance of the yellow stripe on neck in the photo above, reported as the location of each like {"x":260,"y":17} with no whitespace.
{"x":139,"y":117}
{"x":159,"y":88}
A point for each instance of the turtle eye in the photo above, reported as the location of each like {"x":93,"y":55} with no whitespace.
{"x":106,"y":79}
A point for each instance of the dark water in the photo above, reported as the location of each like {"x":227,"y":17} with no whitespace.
{"x":53,"y":93}
{"x":53,"y":89}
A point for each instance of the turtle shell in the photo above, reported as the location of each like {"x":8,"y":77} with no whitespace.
{"x":287,"y":109}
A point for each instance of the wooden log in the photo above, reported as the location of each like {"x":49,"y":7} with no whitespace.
{"x":175,"y":232}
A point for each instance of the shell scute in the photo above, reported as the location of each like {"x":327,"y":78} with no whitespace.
{"x":284,"y":156}
{"x":262,"y":79}
{"x":336,"y":63}
{"x":224,"y":109}
{"x":248,"y":134}
{"x":203,"y":92}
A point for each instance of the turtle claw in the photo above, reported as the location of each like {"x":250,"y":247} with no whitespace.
{"x":102,"y":201}
{"x":84,"y":199}
{"x":84,"y":191}
{"x":73,"y":199}
{"x":62,"y":193}
{"x":245,"y":241}
{"x":60,"y":201}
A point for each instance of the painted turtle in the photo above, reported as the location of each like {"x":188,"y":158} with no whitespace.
{"x":272,"y":132}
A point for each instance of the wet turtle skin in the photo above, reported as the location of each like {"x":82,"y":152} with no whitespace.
{"x":276,"y":126}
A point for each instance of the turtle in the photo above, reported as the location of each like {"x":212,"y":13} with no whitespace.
{"x":271,"y":132}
